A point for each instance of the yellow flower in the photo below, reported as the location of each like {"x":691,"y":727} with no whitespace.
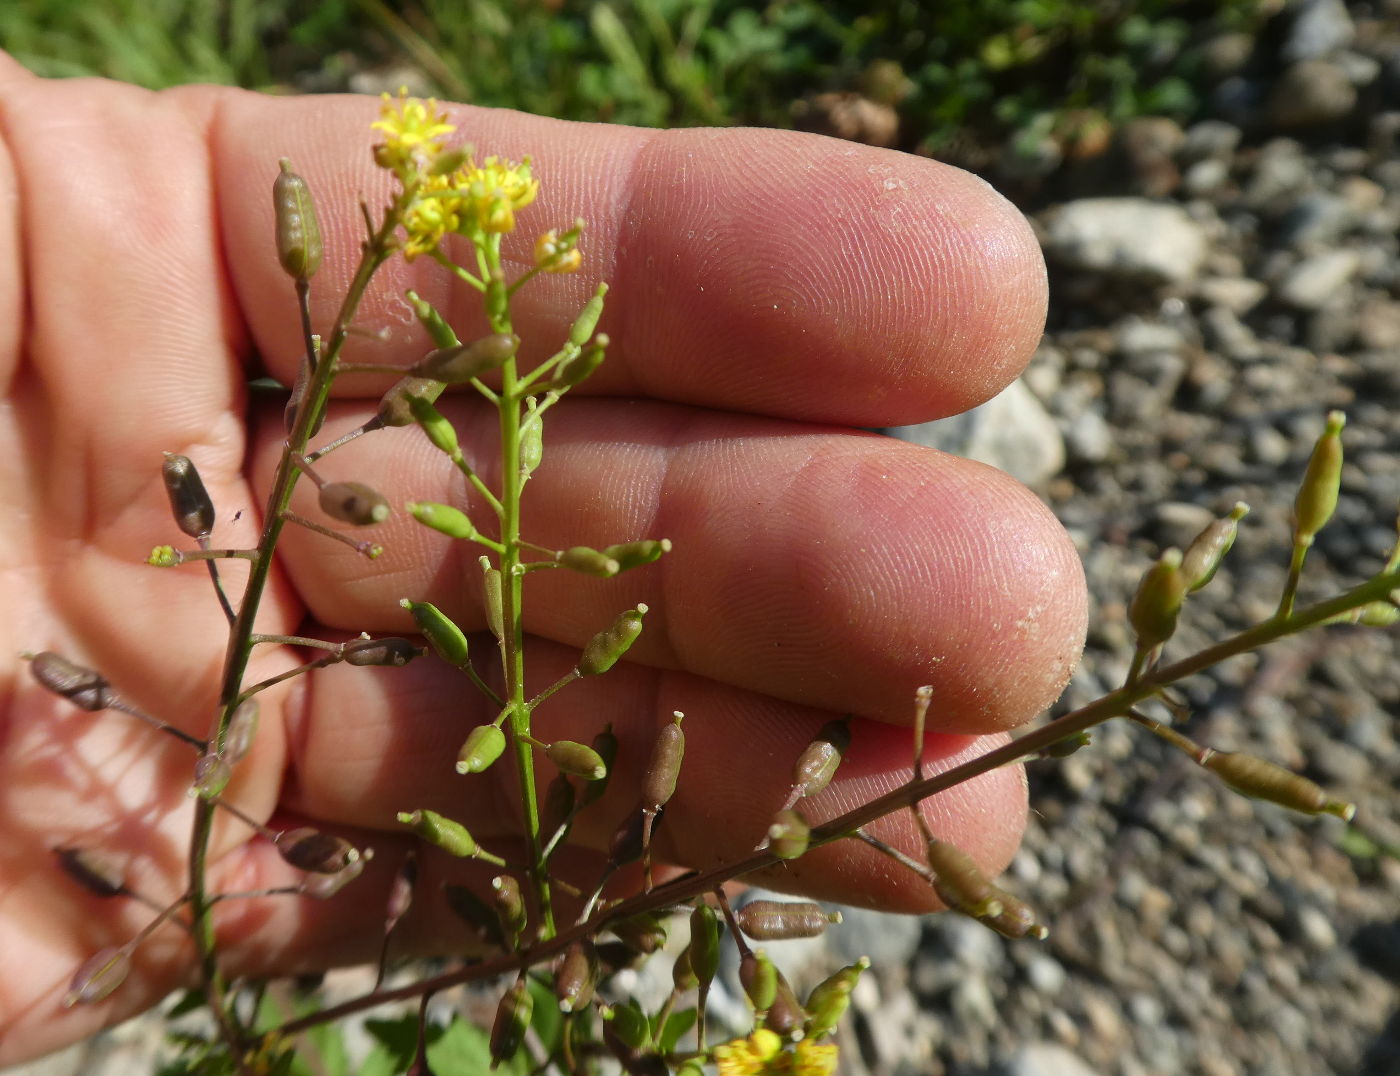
{"x":494,"y":192}
{"x":413,"y":132}
{"x":812,"y":1058}
{"x":758,"y":1055}
{"x":433,"y":213}
{"x":555,"y":255}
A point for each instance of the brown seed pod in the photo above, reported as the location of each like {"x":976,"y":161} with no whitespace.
{"x":509,"y":902}
{"x":512,"y":1021}
{"x":98,"y":976}
{"x":92,"y":870}
{"x":325,"y":886}
{"x":664,"y":768}
{"x":354,"y":503}
{"x":1264,"y":780}
{"x":311,"y":850}
{"x":960,"y":883}
{"x":190,"y":503}
{"x":777,"y":920}
{"x":759,"y":978}
{"x":817,"y":764}
{"x":644,"y":933}
{"x":455,"y":365}
{"x":83,"y":687}
{"x":576,"y":975}
{"x":393,"y":652}
{"x":394,"y":409}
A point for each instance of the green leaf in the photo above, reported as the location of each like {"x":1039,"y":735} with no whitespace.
{"x":677,"y":1024}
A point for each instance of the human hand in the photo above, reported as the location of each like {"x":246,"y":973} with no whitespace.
{"x":771,"y":294}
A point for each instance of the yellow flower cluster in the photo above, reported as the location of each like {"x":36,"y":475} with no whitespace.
{"x":468,"y":199}
{"x":762,"y":1054}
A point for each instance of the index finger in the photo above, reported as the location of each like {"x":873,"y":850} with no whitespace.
{"x":761,"y":271}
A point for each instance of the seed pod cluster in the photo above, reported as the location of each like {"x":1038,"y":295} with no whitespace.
{"x":190,"y":502}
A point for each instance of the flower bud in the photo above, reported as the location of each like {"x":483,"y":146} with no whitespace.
{"x":354,"y":503}
{"x":587,"y":319}
{"x":1317,"y":495}
{"x":1260,"y":779}
{"x":442,"y":518}
{"x":394,"y":409}
{"x":93,"y":871}
{"x":81,"y":686}
{"x":98,"y":976}
{"x":393,"y":652}
{"x":439,"y":331}
{"x":444,"y":636}
{"x":242,"y":730}
{"x":452,"y":837}
{"x":789,"y":835}
{"x":1157,"y":603}
{"x":512,"y":1021}
{"x":509,"y":904}
{"x":704,"y":943}
{"x":960,"y":883}
{"x":575,"y":976}
{"x":189,"y":500}
{"x":212,"y":773}
{"x":455,"y":365}
{"x":311,"y":850}
{"x":664,"y":768}
{"x":299,"y":246}
{"x":1208,"y":549}
{"x":434,"y":424}
{"x":759,"y":978}
{"x":817,"y":764}
{"x":777,"y":920}
{"x":576,"y":760}
{"x":587,"y":561}
{"x":484,"y":745}
{"x":605,"y":648}
{"x":635,"y":554}
{"x":827,"y":1002}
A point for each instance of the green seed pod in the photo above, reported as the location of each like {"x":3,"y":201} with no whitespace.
{"x":531,"y":438}
{"x":664,"y":767}
{"x":704,"y":943}
{"x":509,"y":904}
{"x":93,"y":871}
{"x":605,"y":648}
{"x":575,"y":976}
{"x":451,"y":836}
{"x":445,"y":637}
{"x":636,"y":554}
{"x":393,"y":405}
{"x":434,"y":424}
{"x":189,"y":500}
{"x":1260,"y":779}
{"x":455,"y":365}
{"x":827,"y":1002}
{"x":558,"y":805}
{"x":1208,"y":549}
{"x":576,"y":760}
{"x":242,"y":730}
{"x":960,"y":883}
{"x":311,"y":850}
{"x":789,"y":835}
{"x":777,"y":920}
{"x":299,"y":247}
{"x":587,"y":319}
{"x":629,"y":1024}
{"x":212,"y":773}
{"x":1317,"y":495}
{"x":483,"y":746}
{"x":1157,"y":603}
{"x":1015,"y":919}
{"x":98,"y":976}
{"x":512,"y":1021}
{"x":442,"y":518}
{"x":683,"y":976}
{"x":475,"y":912}
{"x":392,"y":652}
{"x":605,"y":744}
{"x":578,"y":369}
{"x":817,"y":764}
{"x":84,"y":688}
{"x":587,"y":561}
{"x":491,"y":583}
{"x":439,"y":331}
{"x":354,"y":503}
{"x":785,"y":1015}
{"x":693,"y":1067}
{"x":759,"y":978}
{"x":1378,"y":614}
{"x":645,"y":933}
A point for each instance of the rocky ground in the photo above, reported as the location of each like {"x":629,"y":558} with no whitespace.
{"x":1217,"y":289}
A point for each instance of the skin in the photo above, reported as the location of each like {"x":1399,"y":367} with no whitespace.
{"x":772,"y":294}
